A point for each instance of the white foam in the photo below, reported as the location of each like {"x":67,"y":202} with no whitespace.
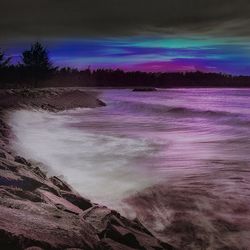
{"x":97,"y":166}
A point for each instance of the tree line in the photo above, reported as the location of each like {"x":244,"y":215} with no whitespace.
{"x":35,"y":66}
{"x":37,"y":70}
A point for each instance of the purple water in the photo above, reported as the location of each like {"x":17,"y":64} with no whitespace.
{"x":178,"y":159}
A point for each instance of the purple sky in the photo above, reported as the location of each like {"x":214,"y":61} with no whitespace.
{"x":151,"y":35}
{"x":147,"y":54}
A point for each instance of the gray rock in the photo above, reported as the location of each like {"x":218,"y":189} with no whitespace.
{"x":77,"y":200}
{"x":3,"y":155}
{"x":111,"y":225}
{"x":23,"y":161}
{"x":60,"y":184}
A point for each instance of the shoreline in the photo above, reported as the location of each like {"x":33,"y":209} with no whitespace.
{"x":41,"y":212}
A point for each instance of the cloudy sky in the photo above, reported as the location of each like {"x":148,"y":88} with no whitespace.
{"x":150,"y":35}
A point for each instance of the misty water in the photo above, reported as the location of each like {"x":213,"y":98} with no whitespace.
{"x":177,"y":159}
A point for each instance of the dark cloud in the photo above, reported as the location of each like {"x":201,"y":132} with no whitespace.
{"x":89,"y":18}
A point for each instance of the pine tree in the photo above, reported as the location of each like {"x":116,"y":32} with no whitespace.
{"x":36,"y":62}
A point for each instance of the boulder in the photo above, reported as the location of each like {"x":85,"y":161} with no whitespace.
{"x":34,"y":248}
{"x":109,"y":224}
{"x":3,"y":155}
{"x":60,"y":183}
{"x":77,"y":200}
{"x":43,"y":226}
{"x":21,"y":160}
{"x":145,"y":89}
{"x":109,"y":244}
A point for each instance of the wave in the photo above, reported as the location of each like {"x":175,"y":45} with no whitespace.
{"x":140,"y":107}
{"x":98,"y":166}
{"x":198,"y":212}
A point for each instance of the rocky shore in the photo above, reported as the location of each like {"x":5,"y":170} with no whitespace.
{"x":43,"y":212}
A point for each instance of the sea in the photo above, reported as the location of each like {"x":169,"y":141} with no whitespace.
{"x":176,"y":159}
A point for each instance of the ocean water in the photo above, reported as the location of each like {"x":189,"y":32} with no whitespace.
{"x":178,"y":159}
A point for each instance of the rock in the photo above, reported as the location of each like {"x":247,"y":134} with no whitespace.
{"x":39,"y":172}
{"x":111,"y":225}
{"x":20,"y":194}
{"x":36,"y":225}
{"x":60,"y":184}
{"x":53,"y":222}
{"x":48,"y":107}
{"x":3,"y":155}
{"x":77,"y":200}
{"x":21,"y":160}
{"x":73,"y":249}
{"x":34,"y":248}
{"x":52,"y":99}
{"x":123,"y":236}
{"x":12,"y":174}
{"x":101,"y":103}
{"x":98,"y":217}
{"x":60,"y":203}
{"x":109,"y":244}
{"x":145,"y":89}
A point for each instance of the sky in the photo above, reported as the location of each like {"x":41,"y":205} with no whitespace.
{"x":146,"y":35}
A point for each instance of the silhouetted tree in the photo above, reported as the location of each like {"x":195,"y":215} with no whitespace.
{"x":36,"y":63}
{"x":3,"y":60}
